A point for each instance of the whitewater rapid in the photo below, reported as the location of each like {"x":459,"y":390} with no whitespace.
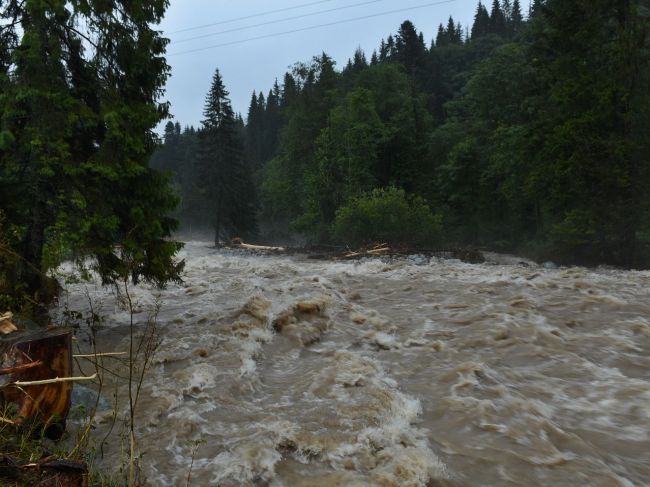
{"x":284,"y":371}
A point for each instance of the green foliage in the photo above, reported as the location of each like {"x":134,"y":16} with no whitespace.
{"x":223,"y":176}
{"x":530,"y":135}
{"x":77,"y":113}
{"x":386,"y":215}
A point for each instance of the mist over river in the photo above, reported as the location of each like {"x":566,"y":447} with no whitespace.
{"x":408,"y":372}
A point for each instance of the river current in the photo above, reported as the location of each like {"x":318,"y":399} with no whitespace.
{"x":284,"y":371}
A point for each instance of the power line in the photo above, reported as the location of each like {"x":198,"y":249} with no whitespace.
{"x":269,"y":12}
{"x":277,"y":21}
{"x":344,"y":21}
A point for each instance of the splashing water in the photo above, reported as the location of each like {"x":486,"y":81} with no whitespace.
{"x":294,"y":372}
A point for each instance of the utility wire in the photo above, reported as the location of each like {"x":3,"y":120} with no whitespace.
{"x":269,"y":12}
{"x":344,"y":21}
{"x":277,"y":21}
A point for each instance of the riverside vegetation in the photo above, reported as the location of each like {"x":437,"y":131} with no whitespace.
{"x":521,"y":133}
{"x":524,"y":132}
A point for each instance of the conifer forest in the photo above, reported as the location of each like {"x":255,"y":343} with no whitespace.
{"x":526,"y":131}
{"x":416,"y":257}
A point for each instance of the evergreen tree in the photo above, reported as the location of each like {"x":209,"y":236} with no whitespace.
{"x":76,"y":135}
{"x":516,"y":18}
{"x":273,"y":122}
{"x":254,"y":133}
{"x":289,"y":91}
{"x":383,"y":51}
{"x":458,"y":34}
{"x":442,"y":39}
{"x":535,"y":8}
{"x":481,"y":25}
{"x":390,"y":47}
{"x":225,"y":179}
{"x":409,"y":48}
{"x":170,"y":133}
{"x":360,"y":61}
{"x":594,"y":123}
{"x":451,"y":31}
{"x":506,"y":8}
{"x":497,"y":19}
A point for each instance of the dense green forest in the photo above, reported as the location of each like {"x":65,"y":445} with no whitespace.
{"x":80,"y":84}
{"x":527,"y":131}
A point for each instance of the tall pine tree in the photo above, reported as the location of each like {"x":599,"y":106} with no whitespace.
{"x":77,"y":113}
{"x":225,"y":179}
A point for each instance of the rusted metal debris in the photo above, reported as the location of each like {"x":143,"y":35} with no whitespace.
{"x":29,"y":363}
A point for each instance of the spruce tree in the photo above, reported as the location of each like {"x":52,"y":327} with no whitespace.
{"x":390,"y":47}
{"x":451,"y":30}
{"x":409,"y":47}
{"x":497,"y":19}
{"x":535,"y":8}
{"x":458,"y":34}
{"x":77,"y":114}
{"x":383,"y":51}
{"x":254,"y":133}
{"x":289,"y":91}
{"x":516,"y":18}
{"x":442,"y":38}
{"x":225,"y":179}
{"x":359,"y":62}
{"x":481,"y":24}
{"x":273,"y":120}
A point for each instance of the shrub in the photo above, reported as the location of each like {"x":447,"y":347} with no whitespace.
{"x":388,"y":215}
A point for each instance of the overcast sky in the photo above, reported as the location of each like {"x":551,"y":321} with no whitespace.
{"x":254,"y":65}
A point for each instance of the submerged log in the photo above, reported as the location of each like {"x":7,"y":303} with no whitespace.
{"x":31,"y":363}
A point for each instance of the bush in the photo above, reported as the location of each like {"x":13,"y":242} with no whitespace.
{"x":387,"y":215}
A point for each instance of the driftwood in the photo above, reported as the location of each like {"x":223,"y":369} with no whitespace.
{"x":238,"y":243}
{"x":37,"y":367}
{"x":325,"y":252}
{"x":374,"y":251}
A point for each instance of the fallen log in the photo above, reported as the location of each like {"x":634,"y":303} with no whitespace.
{"x":261,"y":247}
{"x":240,"y":244}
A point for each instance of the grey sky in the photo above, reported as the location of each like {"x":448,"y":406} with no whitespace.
{"x":255,"y":65}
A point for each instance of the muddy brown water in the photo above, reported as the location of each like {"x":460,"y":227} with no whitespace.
{"x":282,"y":371}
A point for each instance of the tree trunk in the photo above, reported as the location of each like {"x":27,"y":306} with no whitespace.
{"x":217,"y":224}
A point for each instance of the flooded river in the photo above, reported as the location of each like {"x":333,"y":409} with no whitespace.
{"x":283,"y":371}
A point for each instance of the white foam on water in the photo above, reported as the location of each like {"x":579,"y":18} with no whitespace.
{"x":406,"y":373}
